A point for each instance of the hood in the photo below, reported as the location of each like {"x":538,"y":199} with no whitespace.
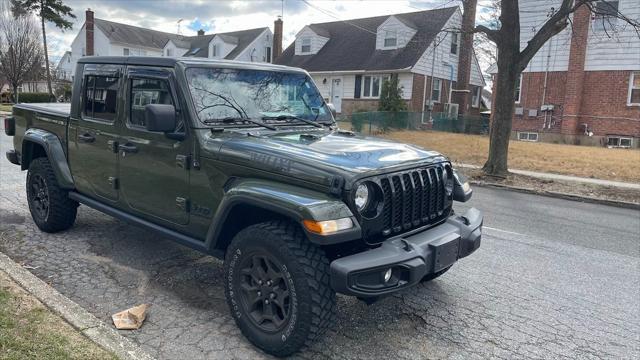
{"x":319,"y":155}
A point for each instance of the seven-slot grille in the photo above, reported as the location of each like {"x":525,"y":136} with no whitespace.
{"x":412,"y":198}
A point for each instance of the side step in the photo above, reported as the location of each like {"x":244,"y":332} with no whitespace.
{"x":135,"y":220}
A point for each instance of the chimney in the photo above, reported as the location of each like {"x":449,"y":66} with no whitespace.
{"x":277,"y":38}
{"x":88,"y":22}
{"x":200,"y":32}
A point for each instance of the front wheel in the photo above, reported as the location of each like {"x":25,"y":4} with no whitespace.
{"x":277,"y":287}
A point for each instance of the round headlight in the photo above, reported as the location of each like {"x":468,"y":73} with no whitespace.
{"x":361,"y":198}
{"x":447,"y":178}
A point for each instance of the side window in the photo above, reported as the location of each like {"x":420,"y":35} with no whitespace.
{"x":145,"y":92}
{"x":100,"y":97}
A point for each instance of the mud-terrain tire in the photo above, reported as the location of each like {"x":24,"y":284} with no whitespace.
{"x":435,"y":275}
{"x":50,"y":206}
{"x":263,"y":264}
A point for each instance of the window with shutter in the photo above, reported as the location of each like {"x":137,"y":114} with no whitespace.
{"x":358,"y":86}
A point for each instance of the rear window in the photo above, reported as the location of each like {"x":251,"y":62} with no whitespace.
{"x":100,"y":97}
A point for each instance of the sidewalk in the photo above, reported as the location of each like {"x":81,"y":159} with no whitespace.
{"x":558,"y":177}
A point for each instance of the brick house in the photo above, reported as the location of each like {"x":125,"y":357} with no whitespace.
{"x":349,"y":60}
{"x":583,"y":86}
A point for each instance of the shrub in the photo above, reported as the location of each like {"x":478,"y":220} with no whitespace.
{"x":358,"y":119}
{"x":39,"y":97}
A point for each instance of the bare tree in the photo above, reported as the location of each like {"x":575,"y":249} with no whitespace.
{"x":20,"y":49}
{"x":512,"y":61}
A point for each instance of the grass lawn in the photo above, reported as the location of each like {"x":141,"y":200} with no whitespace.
{"x":28,"y":330}
{"x":584,"y":161}
{"x":5,"y":107}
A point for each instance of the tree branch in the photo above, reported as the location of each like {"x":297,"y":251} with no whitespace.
{"x":490,"y":33}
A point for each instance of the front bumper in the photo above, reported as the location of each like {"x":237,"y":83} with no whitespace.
{"x":410,"y":257}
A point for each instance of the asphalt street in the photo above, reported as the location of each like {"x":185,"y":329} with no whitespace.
{"x":552,"y":279}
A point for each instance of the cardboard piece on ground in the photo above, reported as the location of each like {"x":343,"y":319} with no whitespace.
{"x":130,"y":319}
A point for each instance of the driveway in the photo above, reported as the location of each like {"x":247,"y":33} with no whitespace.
{"x":552,"y":279}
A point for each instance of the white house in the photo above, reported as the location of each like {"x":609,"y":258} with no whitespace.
{"x":246,"y":45}
{"x":350,"y":59}
{"x":64,"y":69}
{"x":107,"y":38}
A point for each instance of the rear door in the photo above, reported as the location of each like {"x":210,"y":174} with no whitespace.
{"x":93,"y":133}
{"x":153,"y":167}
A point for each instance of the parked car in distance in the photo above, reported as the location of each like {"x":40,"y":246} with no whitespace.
{"x":245,"y":162}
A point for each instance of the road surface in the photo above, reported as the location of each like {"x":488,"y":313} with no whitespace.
{"x":552,"y":279}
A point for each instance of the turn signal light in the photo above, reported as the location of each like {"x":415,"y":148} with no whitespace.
{"x":327,"y":226}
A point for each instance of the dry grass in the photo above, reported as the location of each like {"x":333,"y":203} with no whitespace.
{"x":28,"y":330}
{"x":6,"y":107}
{"x":583,"y":161}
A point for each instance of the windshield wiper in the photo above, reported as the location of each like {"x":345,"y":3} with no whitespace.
{"x":233,"y":119}
{"x":292,"y":117}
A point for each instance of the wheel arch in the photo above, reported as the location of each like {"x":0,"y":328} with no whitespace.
{"x":251,"y":201}
{"x":41,"y":143}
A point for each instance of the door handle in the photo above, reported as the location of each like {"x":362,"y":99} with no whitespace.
{"x":86,"y":138}
{"x":128,"y":148}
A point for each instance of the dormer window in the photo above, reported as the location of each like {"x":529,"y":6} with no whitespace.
{"x":306,"y":45}
{"x":214,"y":50}
{"x":390,"y":39}
{"x":454,"y":43}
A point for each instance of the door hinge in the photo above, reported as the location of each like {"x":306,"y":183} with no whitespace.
{"x":113,"y":146}
{"x":182,"y":203}
{"x":183,"y":161}
{"x":113,"y":181}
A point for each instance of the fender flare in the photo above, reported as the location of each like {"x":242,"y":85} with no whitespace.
{"x":55,"y":153}
{"x":287,"y":200}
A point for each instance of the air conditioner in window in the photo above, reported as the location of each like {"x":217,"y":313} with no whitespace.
{"x":519,"y":111}
{"x":451,"y":110}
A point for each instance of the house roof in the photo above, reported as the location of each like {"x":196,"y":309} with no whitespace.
{"x":199,"y":45}
{"x":128,"y":34}
{"x":357,"y":38}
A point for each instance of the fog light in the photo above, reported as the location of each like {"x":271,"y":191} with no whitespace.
{"x":387,"y":275}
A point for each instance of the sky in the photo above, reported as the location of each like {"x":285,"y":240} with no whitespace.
{"x":186,"y":17}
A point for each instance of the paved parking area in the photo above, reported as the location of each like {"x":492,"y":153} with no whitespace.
{"x":552,"y":279}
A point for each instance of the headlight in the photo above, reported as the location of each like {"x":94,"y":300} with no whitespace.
{"x":361,"y":197}
{"x":447,"y":178}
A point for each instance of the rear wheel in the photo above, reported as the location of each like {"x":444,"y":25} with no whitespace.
{"x":50,"y":206}
{"x":277,"y":287}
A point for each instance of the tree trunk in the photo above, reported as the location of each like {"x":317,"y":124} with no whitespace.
{"x":46,"y":53}
{"x":466,"y":56}
{"x":508,"y":72}
{"x":15,"y":93}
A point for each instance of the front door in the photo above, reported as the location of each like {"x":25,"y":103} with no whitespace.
{"x":336,"y":94}
{"x":154,"y":167}
{"x":93,"y":136}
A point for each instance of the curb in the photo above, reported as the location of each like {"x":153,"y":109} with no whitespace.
{"x":560,"y":195}
{"x":79,"y":318}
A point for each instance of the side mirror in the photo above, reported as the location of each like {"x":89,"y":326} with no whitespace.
{"x":160,"y":118}
{"x":332,"y":108}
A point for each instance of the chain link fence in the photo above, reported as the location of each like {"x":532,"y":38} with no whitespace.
{"x":379,"y":122}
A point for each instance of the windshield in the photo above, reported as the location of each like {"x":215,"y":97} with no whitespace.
{"x":221,"y":95}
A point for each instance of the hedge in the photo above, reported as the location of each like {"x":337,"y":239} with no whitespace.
{"x":35,"y":97}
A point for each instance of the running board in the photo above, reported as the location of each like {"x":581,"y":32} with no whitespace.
{"x":135,"y":220}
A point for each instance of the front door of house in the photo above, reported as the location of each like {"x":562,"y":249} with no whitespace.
{"x":336,"y":94}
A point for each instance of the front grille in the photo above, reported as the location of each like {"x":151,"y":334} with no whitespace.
{"x":411,"y":199}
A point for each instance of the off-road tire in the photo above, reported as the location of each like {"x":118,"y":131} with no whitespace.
{"x":61,"y":212}
{"x":435,"y":275}
{"x":306,"y":268}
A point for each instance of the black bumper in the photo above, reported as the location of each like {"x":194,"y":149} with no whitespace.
{"x":12,"y":156}
{"x":410,"y":257}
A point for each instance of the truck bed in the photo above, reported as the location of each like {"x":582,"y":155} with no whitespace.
{"x":56,"y":109}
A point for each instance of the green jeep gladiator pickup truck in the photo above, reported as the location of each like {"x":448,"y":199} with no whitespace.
{"x":245,"y":162}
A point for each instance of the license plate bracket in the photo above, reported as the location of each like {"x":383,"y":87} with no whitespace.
{"x":445,"y":253}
